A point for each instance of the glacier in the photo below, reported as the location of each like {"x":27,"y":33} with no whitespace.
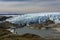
{"x":33,"y":18}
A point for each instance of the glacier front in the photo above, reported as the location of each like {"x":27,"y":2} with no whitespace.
{"x":33,"y":18}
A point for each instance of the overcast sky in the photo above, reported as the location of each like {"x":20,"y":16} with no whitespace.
{"x":30,"y":5}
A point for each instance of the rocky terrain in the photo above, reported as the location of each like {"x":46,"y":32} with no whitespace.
{"x":2,"y":18}
{"x":7,"y":35}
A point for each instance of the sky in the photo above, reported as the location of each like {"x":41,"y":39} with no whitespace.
{"x":28,"y":6}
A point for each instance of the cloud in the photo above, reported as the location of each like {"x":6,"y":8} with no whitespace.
{"x":27,"y":0}
{"x":30,"y":5}
{"x":13,"y":0}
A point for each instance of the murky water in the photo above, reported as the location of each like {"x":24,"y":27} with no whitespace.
{"x":50,"y":33}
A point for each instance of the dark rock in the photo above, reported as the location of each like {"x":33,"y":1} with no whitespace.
{"x":2,"y":18}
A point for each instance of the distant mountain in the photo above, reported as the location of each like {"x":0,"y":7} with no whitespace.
{"x":11,"y":13}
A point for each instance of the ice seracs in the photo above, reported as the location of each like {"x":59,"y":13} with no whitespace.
{"x":34,"y":18}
